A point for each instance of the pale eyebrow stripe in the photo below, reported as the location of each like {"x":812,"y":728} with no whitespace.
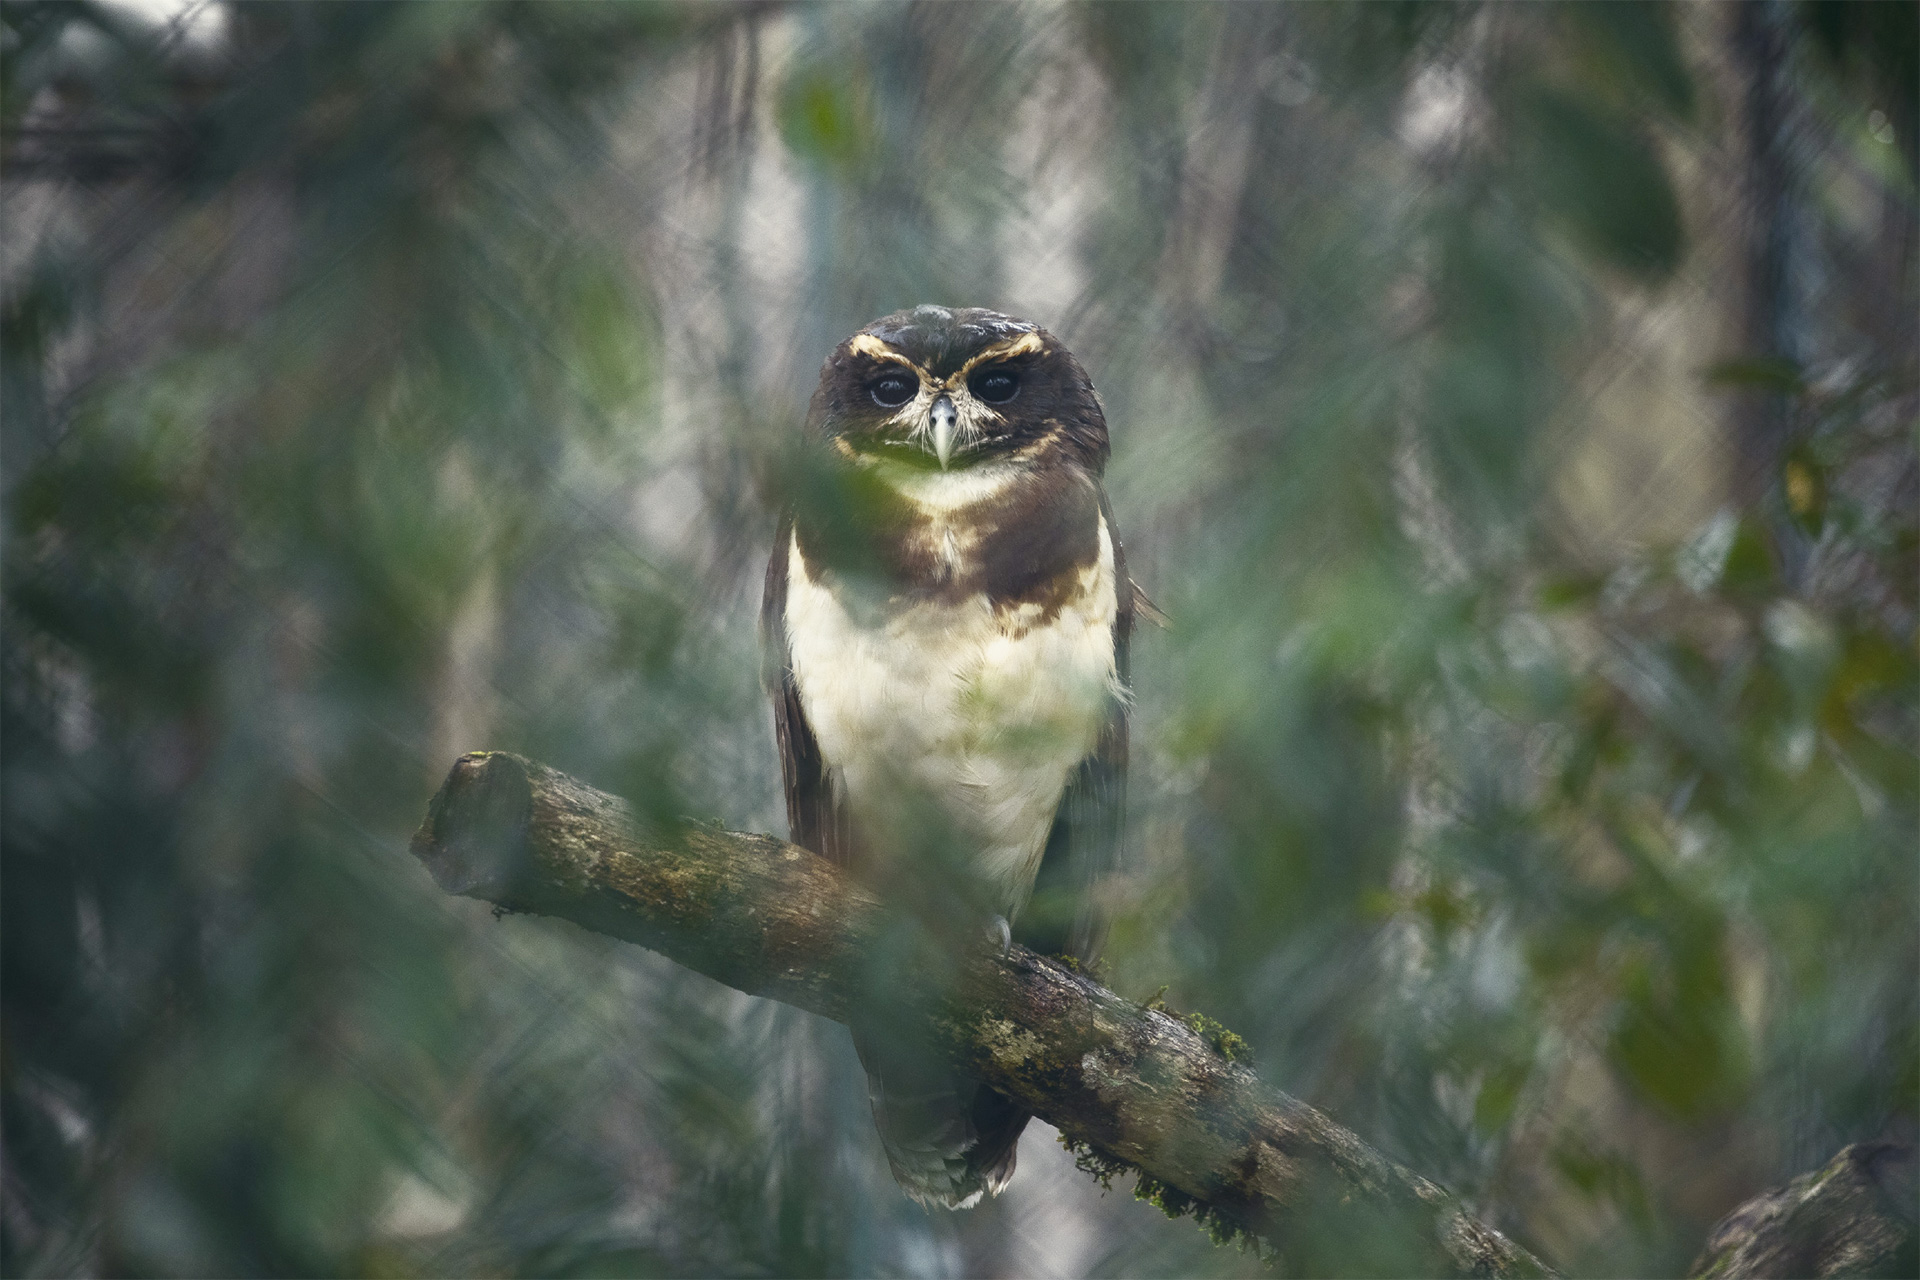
{"x":866,"y":344}
{"x":1020,"y":346}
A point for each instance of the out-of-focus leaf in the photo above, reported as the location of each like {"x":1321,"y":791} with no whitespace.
{"x":825,"y":118}
{"x":1635,"y":44}
{"x":1601,"y":177}
{"x":1779,"y":375}
{"x":1804,"y":485}
{"x":1875,"y":47}
{"x":1571,"y":591}
{"x":1677,"y":1037}
{"x":1749,"y":570}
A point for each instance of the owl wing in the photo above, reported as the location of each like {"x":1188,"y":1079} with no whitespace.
{"x":814,"y":819}
{"x":1065,"y":916}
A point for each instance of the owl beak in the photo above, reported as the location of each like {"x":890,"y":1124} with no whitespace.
{"x":944,"y":419}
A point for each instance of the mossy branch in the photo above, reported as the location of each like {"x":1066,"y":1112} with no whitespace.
{"x":1854,"y":1217}
{"x":1129,"y":1087}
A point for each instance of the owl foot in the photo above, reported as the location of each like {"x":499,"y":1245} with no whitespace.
{"x":1001,"y":933}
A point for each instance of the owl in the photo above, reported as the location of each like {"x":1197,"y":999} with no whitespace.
{"x":946,"y":625}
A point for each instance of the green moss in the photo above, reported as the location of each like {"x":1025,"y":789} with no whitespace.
{"x":1097,"y":1164}
{"x":1172,"y":1201}
{"x":1228,"y":1043}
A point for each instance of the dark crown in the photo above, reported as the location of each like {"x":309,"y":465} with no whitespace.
{"x":940,"y":339}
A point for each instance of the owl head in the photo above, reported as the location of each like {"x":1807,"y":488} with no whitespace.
{"x":948,"y":389}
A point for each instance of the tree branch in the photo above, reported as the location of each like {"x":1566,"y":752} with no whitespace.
{"x":1133,"y":1084}
{"x":1855,"y":1217}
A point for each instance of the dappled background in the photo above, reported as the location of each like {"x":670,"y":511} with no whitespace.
{"x":1513,"y":407}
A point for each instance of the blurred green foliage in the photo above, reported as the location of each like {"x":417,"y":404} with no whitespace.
{"x":1529,"y":776}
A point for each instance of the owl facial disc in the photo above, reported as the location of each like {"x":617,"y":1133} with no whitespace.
{"x":939,"y":389}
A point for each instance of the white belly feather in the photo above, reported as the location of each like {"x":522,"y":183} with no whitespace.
{"x":948,"y":707}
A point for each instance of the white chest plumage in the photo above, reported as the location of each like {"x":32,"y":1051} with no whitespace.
{"x":958,"y":711}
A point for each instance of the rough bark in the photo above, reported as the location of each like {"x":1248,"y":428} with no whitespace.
{"x":1853,"y":1218}
{"x":1134,"y":1084}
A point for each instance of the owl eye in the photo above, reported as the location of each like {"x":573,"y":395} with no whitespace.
{"x":996,"y":386}
{"x":892,"y":390}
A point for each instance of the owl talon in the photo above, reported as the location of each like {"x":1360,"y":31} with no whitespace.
{"x":1001,"y":933}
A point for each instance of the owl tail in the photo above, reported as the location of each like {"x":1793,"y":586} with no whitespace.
{"x":950,"y":1140}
